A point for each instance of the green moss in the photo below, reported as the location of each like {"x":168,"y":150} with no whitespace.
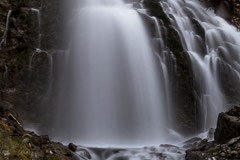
{"x":212,"y":151}
{"x":14,"y":145}
{"x":18,"y":139}
{"x":5,"y":127}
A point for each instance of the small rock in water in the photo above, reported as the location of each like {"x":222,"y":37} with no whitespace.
{"x":84,"y":153}
{"x":211,"y":134}
{"x":72,"y":147}
{"x":193,"y":142}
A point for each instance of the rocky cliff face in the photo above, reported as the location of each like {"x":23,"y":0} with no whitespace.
{"x":30,"y":30}
{"x":29,"y":33}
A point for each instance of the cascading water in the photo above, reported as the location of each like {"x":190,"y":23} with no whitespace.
{"x":217,"y":46}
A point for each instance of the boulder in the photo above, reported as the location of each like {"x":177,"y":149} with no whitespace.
{"x":72,"y":147}
{"x":228,"y":125}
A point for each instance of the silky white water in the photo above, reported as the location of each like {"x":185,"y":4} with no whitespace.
{"x":111,"y":90}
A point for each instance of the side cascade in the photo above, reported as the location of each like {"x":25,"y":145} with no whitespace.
{"x":212,"y":45}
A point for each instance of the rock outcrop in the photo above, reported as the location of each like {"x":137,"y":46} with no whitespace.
{"x":17,"y":143}
{"x":228,"y":126}
{"x":226,"y":145}
{"x":30,"y":32}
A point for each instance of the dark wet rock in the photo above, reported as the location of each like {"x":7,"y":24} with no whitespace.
{"x":228,"y":125}
{"x":193,"y":142}
{"x":228,"y":151}
{"x":72,"y":147}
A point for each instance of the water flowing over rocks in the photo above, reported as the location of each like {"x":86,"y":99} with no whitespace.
{"x":178,"y":67}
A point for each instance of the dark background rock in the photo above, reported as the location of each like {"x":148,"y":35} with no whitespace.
{"x":24,"y":78}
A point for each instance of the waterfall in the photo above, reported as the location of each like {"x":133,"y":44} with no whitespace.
{"x":211,"y":44}
{"x":110,"y":93}
{"x":114,"y":84}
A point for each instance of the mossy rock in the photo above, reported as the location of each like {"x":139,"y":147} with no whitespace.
{"x":12,"y":146}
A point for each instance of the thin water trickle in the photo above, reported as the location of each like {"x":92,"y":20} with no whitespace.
{"x":38,"y":13}
{"x":5,"y":74}
{"x":4,"y":37}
